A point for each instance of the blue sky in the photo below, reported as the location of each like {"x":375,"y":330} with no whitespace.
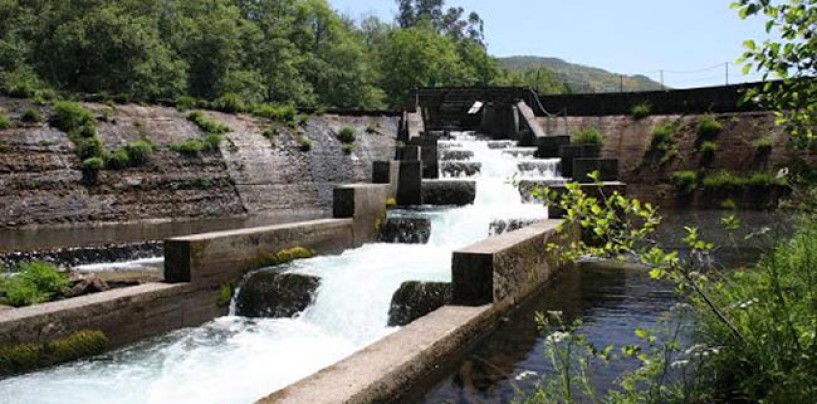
{"x":690,"y":40}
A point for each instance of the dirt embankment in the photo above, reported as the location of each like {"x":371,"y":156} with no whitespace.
{"x":41,"y":180}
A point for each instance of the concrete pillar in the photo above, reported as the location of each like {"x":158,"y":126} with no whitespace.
{"x":410,"y":185}
{"x":548,"y":147}
{"x":429,"y":155}
{"x":387,"y":172}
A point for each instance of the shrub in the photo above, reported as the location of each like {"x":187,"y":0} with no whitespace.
{"x":90,"y":147}
{"x":346,"y":135}
{"x":641,"y":111}
{"x":5,"y":121}
{"x":35,"y":282}
{"x":93,"y":164}
{"x":139,"y":152}
{"x":190,"y":148}
{"x":88,"y":130}
{"x":32,"y":115}
{"x":764,"y":145}
{"x":185,"y":103}
{"x":207,"y":125}
{"x":708,"y":149}
{"x":280,"y":113}
{"x":230,"y":103}
{"x":348,"y":148}
{"x":212,"y":142}
{"x":709,"y":126}
{"x":305,"y":144}
{"x":685,"y":181}
{"x":723,"y":180}
{"x":70,"y":116}
{"x":664,"y":133}
{"x":117,"y":160}
{"x":587,"y":135}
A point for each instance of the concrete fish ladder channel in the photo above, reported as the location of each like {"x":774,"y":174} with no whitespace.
{"x":240,"y":360}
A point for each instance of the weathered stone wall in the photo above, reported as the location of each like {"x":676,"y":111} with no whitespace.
{"x":630,"y":141}
{"x":41,"y":180}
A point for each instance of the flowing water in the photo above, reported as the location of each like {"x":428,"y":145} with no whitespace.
{"x":238,"y":360}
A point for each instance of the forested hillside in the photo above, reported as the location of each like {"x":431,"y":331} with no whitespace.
{"x":299,"y":52}
{"x":579,"y":78}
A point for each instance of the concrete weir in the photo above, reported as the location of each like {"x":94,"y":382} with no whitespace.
{"x":489,"y":277}
{"x":195,"y":268}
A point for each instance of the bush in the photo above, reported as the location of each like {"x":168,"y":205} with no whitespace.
{"x":90,"y":147}
{"x":70,"y":117}
{"x":88,"y":130}
{"x":664,"y":133}
{"x":117,"y":160}
{"x":185,"y":103}
{"x":190,"y":148}
{"x":708,"y":149}
{"x":305,"y":144}
{"x":280,"y":113}
{"x":764,"y":145}
{"x":641,"y":111}
{"x":5,"y":121}
{"x":770,"y":357}
{"x":139,"y":152}
{"x":709,"y":126}
{"x":32,"y":115}
{"x":685,"y":181}
{"x":213,"y":142}
{"x":207,"y":125}
{"x":93,"y":164}
{"x":230,"y":103}
{"x":34,"y":283}
{"x":346,"y":135}
{"x":587,"y":135}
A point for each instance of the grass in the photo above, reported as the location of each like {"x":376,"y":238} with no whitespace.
{"x":93,"y":164}
{"x":70,"y":117}
{"x":663,"y":142}
{"x":770,"y":358}
{"x":225,"y":295}
{"x":139,"y":152}
{"x":206,"y":124}
{"x":587,"y":135}
{"x":34,"y":283}
{"x":185,"y":103}
{"x":727,"y":180}
{"x":347,"y":135}
{"x":276,"y":112}
{"x":189,"y":148}
{"x":685,"y":181}
{"x":708,"y":149}
{"x":708,"y":126}
{"x":641,"y":111}
{"x":763,"y":145}
{"x":229,"y":103}
{"x":117,"y":160}
{"x":32,"y":115}
{"x":5,"y":121}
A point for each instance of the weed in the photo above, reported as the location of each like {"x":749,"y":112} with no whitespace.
{"x":207,"y":125}
{"x":641,"y":111}
{"x":185,"y":103}
{"x":139,"y":152}
{"x":764,"y":145}
{"x":35,"y":282}
{"x":685,"y":181}
{"x":347,"y":135}
{"x":189,"y":148}
{"x":230,"y":103}
{"x":32,"y":115}
{"x":348,"y":148}
{"x":117,"y":160}
{"x":304,"y":144}
{"x":709,"y":126}
{"x":5,"y":121}
{"x":587,"y":135}
{"x":70,"y":117}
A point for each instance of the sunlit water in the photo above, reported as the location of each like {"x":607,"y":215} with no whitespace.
{"x":237,"y":360}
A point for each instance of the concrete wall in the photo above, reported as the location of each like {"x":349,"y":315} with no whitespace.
{"x":508,"y":267}
{"x":697,"y":100}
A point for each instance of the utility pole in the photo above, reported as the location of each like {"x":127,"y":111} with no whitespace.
{"x":662,"y":81}
{"x":621,"y":77}
{"x":727,"y":73}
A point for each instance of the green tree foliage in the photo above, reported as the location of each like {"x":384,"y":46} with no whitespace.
{"x":541,"y":79}
{"x":791,"y":58}
{"x":237,"y":54}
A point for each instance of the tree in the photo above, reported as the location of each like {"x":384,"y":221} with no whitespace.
{"x":451,"y":22}
{"x":790,"y":58}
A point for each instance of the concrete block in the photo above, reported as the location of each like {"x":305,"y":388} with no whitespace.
{"x":429,"y":154}
{"x":448,"y":192}
{"x":365,"y":204}
{"x":387,"y":172}
{"x":548,"y":147}
{"x":569,"y":153}
{"x":607,"y":168}
{"x":410,"y":185}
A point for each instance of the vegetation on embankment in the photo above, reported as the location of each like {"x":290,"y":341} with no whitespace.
{"x":21,"y":358}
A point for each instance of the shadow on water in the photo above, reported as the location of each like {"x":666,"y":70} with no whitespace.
{"x":612,"y":301}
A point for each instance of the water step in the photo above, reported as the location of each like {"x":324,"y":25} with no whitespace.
{"x":449,"y":193}
{"x":446,"y":145}
{"x":501,"y":144}
{"x":455,"y":155}
{"x":498,"y":227}
{"x":545,"y":168}
{"x":405,"y":231}
{"x":459,"y":169}
{"x":518,"y":152}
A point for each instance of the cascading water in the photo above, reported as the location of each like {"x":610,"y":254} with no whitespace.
{"x":238,"y":360}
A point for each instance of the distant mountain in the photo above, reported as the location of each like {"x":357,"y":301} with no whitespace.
{"x":581,"y":79}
